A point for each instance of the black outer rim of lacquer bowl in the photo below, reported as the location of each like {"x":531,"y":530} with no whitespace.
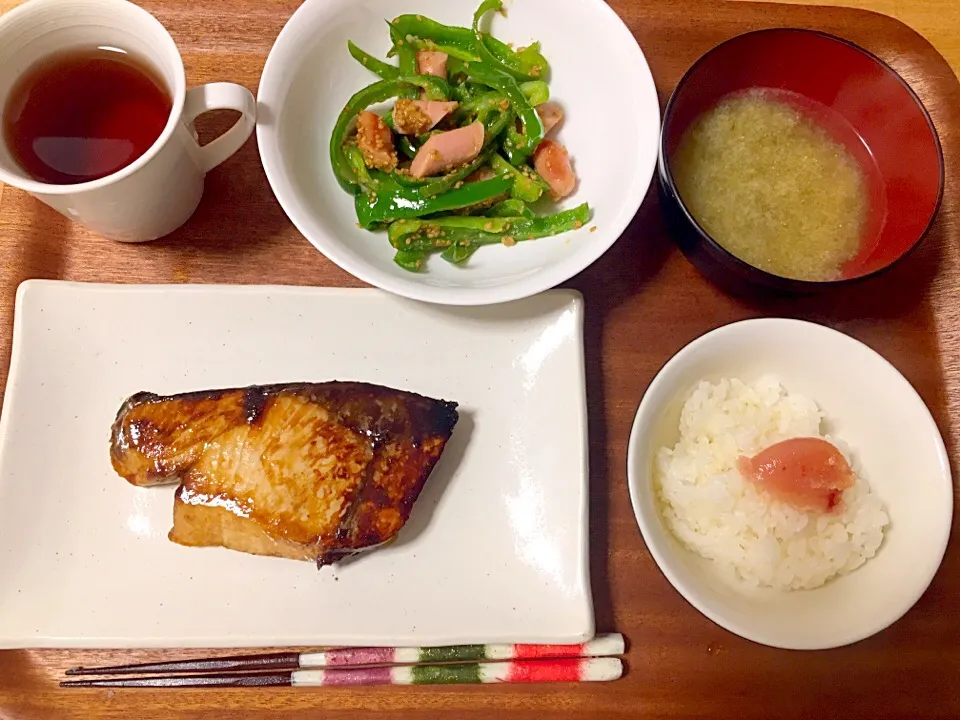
{"x":719,"y":264}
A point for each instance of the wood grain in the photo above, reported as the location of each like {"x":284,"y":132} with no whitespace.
{"x":937,"y":20}
{"x":644,"y":302}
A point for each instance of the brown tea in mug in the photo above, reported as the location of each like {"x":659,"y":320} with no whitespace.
{"x":84,"y":114}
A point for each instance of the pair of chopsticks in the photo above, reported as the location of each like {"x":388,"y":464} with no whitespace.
{"x":592,"y":661}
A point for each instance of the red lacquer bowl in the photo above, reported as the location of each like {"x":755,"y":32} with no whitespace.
{"x":853,"y":95}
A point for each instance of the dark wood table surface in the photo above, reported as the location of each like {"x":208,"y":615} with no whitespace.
{"x":644,"y":302}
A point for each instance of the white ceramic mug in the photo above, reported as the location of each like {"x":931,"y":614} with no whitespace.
{"x":159,"y":191}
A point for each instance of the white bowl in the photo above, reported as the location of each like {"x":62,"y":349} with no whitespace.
{"x":599,"y":75}
{"x":870,"y":406}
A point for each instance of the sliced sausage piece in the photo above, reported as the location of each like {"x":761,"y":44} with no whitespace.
{"x":375,"y":142}
{"x":448,"y":150}
{"x":415,"y":117}
{"x":551,"y":114}
{"x":552,"y":163}
{"x":431,"y":62}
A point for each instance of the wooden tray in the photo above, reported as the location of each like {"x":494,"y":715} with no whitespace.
{"x":644,"y":302}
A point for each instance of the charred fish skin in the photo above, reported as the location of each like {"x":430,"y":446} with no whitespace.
{"x":319,"y":470}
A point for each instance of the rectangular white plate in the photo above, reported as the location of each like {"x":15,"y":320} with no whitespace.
{"x":494,"y":551}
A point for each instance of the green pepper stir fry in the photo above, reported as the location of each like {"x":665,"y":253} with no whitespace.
{"x":487,"y":198}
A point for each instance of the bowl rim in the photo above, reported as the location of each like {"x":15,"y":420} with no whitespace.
{"x":690,"y":593}
{"x":758,"y":275}
{"x":549,"y":276}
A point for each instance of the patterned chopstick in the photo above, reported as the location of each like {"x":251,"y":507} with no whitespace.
{"x":595,"y":669}
{"x":600,"y":646}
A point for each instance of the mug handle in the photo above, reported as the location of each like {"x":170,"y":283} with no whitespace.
{"x":221,"y":96}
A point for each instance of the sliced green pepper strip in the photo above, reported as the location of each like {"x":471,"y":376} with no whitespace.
{"x":495,"y":113}
{"x":378,"y":67}
{"x":523,"y":173}
{"x":454,"y":68}
{"x":475,"y":88}
{"x":504,"y":58}
{"x":435,"y":88}
{"x":457,"y":77}
{"x":428,"y":34}
{"x":533,"y":176}
{"x":471,"y":107}
{"x":355,"y":160}
{"x":370,"y":95}
{"x":457,"y":254}
{"x":405,"y":179}
{"x":479,"y":39}
{"x":460,"y":92}
{"x":394,"y":202}
{"x":392,"y":52}
{"x":514,"y":144}
{"x":537,"y":92}
{"x":452,"y":51}
{"x":461,"y":43}
{"x":494,"y":124}
{"x":515,"y":147}
{"x":406,"y":52}
{"x":526,"y":64}
{"x":406,"y":58}
{"x":404,"y":144}
{"x":464,"y":91}
{"x":525,"y":187}
{"x":467,"y":231}
{"x":511,"y":207}
{"x":519,"y":146}
{"x":412,"y":260}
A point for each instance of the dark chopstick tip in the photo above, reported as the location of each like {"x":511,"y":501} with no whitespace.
{"x":186,"y":681}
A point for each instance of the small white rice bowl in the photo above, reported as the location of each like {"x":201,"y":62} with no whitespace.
{"x":714,"y":511}
{"x":869,"y":411}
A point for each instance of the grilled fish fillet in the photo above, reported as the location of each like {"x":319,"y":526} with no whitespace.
{"x":303,"y":471}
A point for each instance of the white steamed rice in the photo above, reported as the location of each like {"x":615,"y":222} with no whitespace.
{"x":715,"y":512}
